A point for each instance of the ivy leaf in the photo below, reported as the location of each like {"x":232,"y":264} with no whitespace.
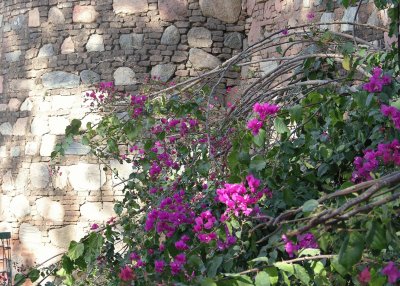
{"x":309,"y":252}
{"x":34,"y":275}
{"x":301,"y":274}
{"x":273,"y":275}
{"x":260,"y":259}
{"x":296,"y":112}
{"x":346,"y":63}
{"x":262,"y":279}
{"x":19,"y":279}
{"x":309,"y":206}
{"x":285,"y":267}
{"x":322,"y":169}
{"x":213,"y":266}
{"x":257,"y":163}
{"x":351,"y":250}
{"x":75,"y":250}
{"x":280,"y":126}
{"x":208,"y":282}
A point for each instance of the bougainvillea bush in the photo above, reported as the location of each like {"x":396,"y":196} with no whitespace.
{"x":299,"y":192}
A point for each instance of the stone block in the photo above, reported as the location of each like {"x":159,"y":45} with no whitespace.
{"x":1,"y":84}
{"x":6,"y":129}
{"x":327,"y":18}
{"x":3,"y":152}
{"x":267,"y":67}
{"x":76,"y":148}
{"x":131,"y":41}
{"x":171,"y":10}
{"x":50,"y":210}
{"x":130,"y":7}
{"x":31,"y":148}
{"x":61,"y":237}
{"x":14,"y":104}
{"x":60,"y":180}
{"x":13,"y":56}
{"x":57,"y":125}
{"x":21,"y":126}
{"x":4,"y":206}
{"x":67,"y":46}
{"x":199,"y":37}
{"x":8,"y":182}
{"x":27,"y":105}
{"x":348,"y":16}
{"x":89,"y":77}
{"x":46,"y":51}
{"x":163,"y":72}
{"x":95,"y":43}
{"x":84,"y":14}
{"x":19,"y":206}
{"x":56,"y":16}
{"x":39,"y":175}
{"x":15,"y":151}
{"x":233,"y":40}
{"x":225,"y":10}
{"x":40,"y":125}
{"x":203,"y":60}
{"x":48,"y":145}
{"x":97,"y":212}
{"x":60,"y":79}
{"x":171,"y":36}
{"x":29,"y":234}
{"x":124,"y":76}
{"x":22,"y":84}
{"x":34,"y":18}
{"x":21,"y":182}
{"x":86,"y":177}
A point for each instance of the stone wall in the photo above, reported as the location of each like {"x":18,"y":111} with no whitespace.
{"x":52,"y":52}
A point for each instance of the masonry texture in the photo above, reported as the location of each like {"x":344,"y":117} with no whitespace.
{"x":53,"y":51}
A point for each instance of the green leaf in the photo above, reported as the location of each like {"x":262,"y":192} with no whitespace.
{"x":309,"y":252}
{"x":273,"y":275}
{"x":396,"y":104}
{"x":301,"y":274}
{"x":34,"y":275}
{"x":259,"y":140}
{"x":346,"y":63}
{"x":75,"y":250}
{"x":322,"y":169}
{"x":213,"y":266}
{"x":260,"y":259}
{"x":19,"y":279}
{"x":257,"y":163}
{"x":262,"y":279}
{"x":309,"y":206}
{"x":208,"y":282}
{"x":351,"y":250}
{"x":296,"y":113}
{"x":280,"y":126}
{"x":73,"y":128}
{"x":285,"y":267}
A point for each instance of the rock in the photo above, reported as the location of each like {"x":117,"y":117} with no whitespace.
{"x":40,"y":125}
{"x":173,"y":9}
{"x":203,"y":60}
{"x":233,"y":40}
{"x":199,"y":37}
{"x":15,"y":151}
{"x":89,"y":77}
{"x":21,"y":182}
{"x":1,"y":84}
{"x":124,"y":76}
{"x":3,"y":152}
{"x":39,"y":175}
{"x":29,"y":234}
{"x":67,"y":46}
{"x":56,"y":16}
{"x":48,"y":145}
{"x":373,"y":19}
{"x":4,"y":207}
{"x":97,"y":212}
{"x":22,"y":84}
{"x":6,"y":129}
{"x":8,"y":182}
{"x":31,"y":148}
{"x":46,"y":51}
{"x":267,"y":67}
{"x":254,"y":35}
{"x":50,"y":210}
{"x":34,"y":18}
{"x":14,"y":104}
{"x":12,"y":56}
{"x":95,"y":43}
{"x":348,"y":16}
{"x":225,"y":10}
{"x":327,"y":18}
{"x":21,"y":126}
{"x":86,"y":177}
{"x":171,"y":36}
{"x":60,"y":79}
{"x":19,"y":206}
{"x":163,"y":72}
{"x":57,"y":125}
{"x":27,"y":105}
{"x":3,"y":107}
{"x":18,"y":22}
{"x":61,"y":237}
{"x":76,"y":148}
{"x":131,"y":41}
{"x":84,"y":14}
{"x":130,"y":7}
{"x":60,"y":180}
{"x":250,"y":6}
{"x":122,"y":170}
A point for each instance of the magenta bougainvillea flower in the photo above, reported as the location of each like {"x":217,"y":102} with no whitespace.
{"x":364,"y":276}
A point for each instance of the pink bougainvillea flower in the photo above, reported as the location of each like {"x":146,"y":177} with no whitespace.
{"x":126,"y":274}
{"x":393,"y":113}
{"x":364,"y":276}
{"x":285,"y":32}
{"x":94,"y":226}
{"x":254,"y":125}
{"x":392,"y":272}
{"x":159,"y":265}
{"x":310,"y":16}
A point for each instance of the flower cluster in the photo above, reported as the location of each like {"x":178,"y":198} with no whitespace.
{"x":392,"y":272}
{"x":263,"y":110}
{"x":138,"y":102}
{"x":177,"y":264}
{"x":377,"y":81}
{"x":229,"y":240}
{"x":393,"y":113}
{"x":182,"y":243}
{"x":306,"y":240}
{"x":386,"y":153}
{"x":136,"y":260}
{"x":203,"y":222}
{"x":170,"y":214}
{"x":238,"y":198}
{"x":126,"y":274}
